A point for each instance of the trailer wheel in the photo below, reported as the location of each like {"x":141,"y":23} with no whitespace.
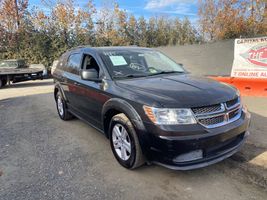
{"x":1,"y":83}
{"x":4,"y":82}
{"x":41,"y":76}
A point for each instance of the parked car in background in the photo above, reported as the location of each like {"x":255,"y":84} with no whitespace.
{"x":150,"y":108}
{"x":16,"y":70}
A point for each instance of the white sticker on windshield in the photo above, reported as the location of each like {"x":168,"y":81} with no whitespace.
{"x":118,"y":60}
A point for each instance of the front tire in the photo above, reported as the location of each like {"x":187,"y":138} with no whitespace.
{"x":63,"y":113}
{"x":125,"y":143}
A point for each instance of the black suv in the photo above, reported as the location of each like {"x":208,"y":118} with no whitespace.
{"x":149,"y":107}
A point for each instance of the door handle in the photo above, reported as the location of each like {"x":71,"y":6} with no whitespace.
{"x":76,"y":83}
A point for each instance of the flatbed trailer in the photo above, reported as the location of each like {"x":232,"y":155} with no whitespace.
{"x":18,"y":74}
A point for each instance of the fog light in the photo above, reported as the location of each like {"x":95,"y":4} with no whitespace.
{"x":190,"y":156}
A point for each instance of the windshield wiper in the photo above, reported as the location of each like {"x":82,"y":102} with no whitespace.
{"x":145,"y":75}
{"x":166,"y":72}
{"x":131,"y":76}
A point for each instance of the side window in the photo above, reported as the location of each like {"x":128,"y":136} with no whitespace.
{"x":74,"y":62}
{"x":90,"y":63}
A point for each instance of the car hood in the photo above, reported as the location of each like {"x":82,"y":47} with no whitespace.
{"x":180,"y":90}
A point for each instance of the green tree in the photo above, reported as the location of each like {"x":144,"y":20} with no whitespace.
{"x":132,"y":31}
{"x":175,"y":34}
{"x":142,"y":32}
{"x":151,"y":32}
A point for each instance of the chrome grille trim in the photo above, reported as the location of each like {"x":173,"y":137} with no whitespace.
{"x":224,"y":112}
{"x":222,"y":109}
{"x":233,"y":106}
{"x":210,"y":115}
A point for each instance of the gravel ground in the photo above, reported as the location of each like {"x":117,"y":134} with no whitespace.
{"x":43,"y":157}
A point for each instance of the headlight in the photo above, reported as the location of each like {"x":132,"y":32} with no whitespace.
{"x":170,"y":116}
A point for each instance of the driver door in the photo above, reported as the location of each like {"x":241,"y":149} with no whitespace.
{"x":91,"y":96}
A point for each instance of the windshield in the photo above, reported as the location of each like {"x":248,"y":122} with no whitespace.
{"x":138,"y":63}
{"x":8,"y":64}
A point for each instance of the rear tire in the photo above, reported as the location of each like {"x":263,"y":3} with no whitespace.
{"x":125,"y":143}
{"x":62,"y":110}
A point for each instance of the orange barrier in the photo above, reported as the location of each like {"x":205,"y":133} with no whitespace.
{"x":246,"y":86}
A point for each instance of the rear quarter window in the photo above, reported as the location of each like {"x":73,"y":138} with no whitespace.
{"x":74,"y":63}
{"x":61,"y":62}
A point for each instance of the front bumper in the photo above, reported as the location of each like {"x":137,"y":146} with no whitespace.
{"x":212,"y":145}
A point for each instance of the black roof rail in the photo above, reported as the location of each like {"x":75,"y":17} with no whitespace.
{"x":82,"y":46}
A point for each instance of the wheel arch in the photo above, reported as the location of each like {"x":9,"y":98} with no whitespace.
{"x":58,"y":89}
{"x":115,"y":106}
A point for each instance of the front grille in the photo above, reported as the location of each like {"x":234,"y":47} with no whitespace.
{"x":233,"y":114}
{"x":232,"y":103}
{"x":218,"y":114}
{"x":212,"y":120}
{"x":207,"y":109}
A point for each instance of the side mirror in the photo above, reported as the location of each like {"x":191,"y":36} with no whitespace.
{"x":90,"y":75}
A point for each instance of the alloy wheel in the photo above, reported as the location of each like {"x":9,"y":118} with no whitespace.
{"x":60,"y":106}
{"x":121,"y":142}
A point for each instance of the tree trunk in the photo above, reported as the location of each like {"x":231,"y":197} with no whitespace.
{"x":265,"y":15}
{"x":17,"y":13}
{"x":18,"y":24}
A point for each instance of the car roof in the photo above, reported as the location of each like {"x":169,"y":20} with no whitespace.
{"x":108,"y":48}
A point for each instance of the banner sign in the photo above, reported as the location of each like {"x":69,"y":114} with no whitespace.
{"x":250,"y":58}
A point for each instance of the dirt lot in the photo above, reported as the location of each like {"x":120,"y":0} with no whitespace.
{"x":42,"y":157}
